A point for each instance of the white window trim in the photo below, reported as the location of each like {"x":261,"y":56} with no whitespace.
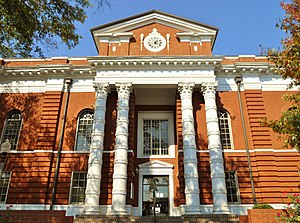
{"x":5,"y":126}
{"x":71,"y":186}
{"x":237,"y":189}
{"x":4,"y":202}
{"x":167,"y":115}
{"x":230,"y":129}
{"x":77,"y":126}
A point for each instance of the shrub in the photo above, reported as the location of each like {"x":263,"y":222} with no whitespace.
{"x":291,"y":212}
{"x":262,"y":206}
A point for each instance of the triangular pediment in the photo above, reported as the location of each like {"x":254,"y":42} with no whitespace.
{"x":154,"y":16}
{"x":133,"y":27}
{"x":155,"y":164}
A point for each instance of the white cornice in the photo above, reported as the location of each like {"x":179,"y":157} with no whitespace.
{"x":44,"y":70}
{"x":155,"y":18}
{"x":169,"y":63}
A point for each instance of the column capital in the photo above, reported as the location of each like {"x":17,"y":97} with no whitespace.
{"x":102,"y":87}
{"x":124,"y":88}
{"x":186,"y":87}
{"x":209,"y":87}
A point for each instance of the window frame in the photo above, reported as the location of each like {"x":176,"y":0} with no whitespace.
{"x":7,"y":189}
{"x":237,"y":187}
{"x":77,"y":128}
{"x":156,"y":115}
{"x":229,"y":128}
{"x":15,"y":111}
{"x":71,"y":188}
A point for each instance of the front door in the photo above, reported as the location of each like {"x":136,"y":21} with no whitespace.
{"x":155,"y":195}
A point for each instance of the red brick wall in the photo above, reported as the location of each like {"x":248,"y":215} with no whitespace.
{"x":131,"y":170}
{"x":179,"y":142}
{"x":262,"y":215}
{"x":39,"y":216}
{"x":133,"y":48}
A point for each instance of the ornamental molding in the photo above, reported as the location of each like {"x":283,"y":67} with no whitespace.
{"x":245,"y":67}
{"x":209,"y":87}
{"x":102,"y":88}
{"x":172,"y":63}
{"x":124,"y":88}
{"x":114,"y":37}
{"x":55,"y":70}
{"x":186,"y":88}
{"x":155,"y":164}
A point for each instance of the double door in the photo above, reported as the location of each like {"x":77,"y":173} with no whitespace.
{"x":155,"y":195}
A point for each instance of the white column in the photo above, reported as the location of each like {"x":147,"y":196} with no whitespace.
{"x":215,"y":152}
{"x":120,"y":163}
{"x":92,"y":193}
{"x":190,"y":161}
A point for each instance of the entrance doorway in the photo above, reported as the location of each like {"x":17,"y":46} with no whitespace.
{"x":165,"y":188}
{"x":155,"y":195}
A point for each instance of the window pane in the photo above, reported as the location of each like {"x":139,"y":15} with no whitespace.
{"x":224,"y":129}
{"x":155,"y":137}
{"x":4,"y":184}
{"x":231,"y":186}
{"x":12,"y":128}
{"x":78,"y":187}
{"x":84,"y":130}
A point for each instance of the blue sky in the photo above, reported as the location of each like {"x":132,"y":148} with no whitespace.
{"x":243,"y":25}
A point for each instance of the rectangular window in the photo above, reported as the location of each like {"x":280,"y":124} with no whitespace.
{"x":232,"y":187}
{"x":78,"y":186}
{"x":155,"y":137}
{"x":4,"y":184}
{"x":156,"y":134}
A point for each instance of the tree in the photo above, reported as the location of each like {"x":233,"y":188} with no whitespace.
{"x":287,"y":63}
{"x":28,"y":26}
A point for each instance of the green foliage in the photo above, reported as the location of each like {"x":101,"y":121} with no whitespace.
{"x":262,"y":206}
{"x":291,"y":212}
{"x":288,"y":125}
{"x":27,"y":26}
{"x":287,"y":63}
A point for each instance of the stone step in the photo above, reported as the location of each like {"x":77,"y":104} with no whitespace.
{"x":205,"y":218}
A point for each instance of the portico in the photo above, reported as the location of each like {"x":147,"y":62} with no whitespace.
{"x":153,"y":96}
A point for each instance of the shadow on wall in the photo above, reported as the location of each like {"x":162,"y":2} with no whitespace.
{"x":20,"y":165}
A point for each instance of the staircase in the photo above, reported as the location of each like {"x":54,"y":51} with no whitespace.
{"x":205,"y":218}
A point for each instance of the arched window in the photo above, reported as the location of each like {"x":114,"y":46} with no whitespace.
{"x":12,"y":128}
{"x":225,"y":129}
{"x":84,"y":130}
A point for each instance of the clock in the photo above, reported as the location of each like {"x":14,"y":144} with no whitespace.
{"x":155,"y":42}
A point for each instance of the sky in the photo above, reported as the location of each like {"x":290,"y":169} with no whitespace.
{"x":243,"y":25}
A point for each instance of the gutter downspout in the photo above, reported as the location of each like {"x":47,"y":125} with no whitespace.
{"x":68,"y":82}
{"x":238,"y":81}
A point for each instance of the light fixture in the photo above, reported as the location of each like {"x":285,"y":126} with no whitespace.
{"x":6,"y":146}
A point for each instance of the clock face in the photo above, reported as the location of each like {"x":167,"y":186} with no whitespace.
{"x":155,"y":43}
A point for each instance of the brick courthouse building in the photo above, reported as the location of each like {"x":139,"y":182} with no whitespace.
{"x":89,"y":134}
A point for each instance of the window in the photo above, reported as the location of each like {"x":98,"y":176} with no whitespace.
{"x":232,"y":186}
{"x":156,"y":134}
{"x":4,"y":184}
{"x":78,"y":186}
{"x":12,"y":128}
{"x":225,"y":129}
{"x":84,"y":130}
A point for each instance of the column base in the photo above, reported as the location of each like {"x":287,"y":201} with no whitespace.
{"x":221,"y":210}
{"x":118,"y":211}
{"x":192,"y":210}
{"x":91,"y":210}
